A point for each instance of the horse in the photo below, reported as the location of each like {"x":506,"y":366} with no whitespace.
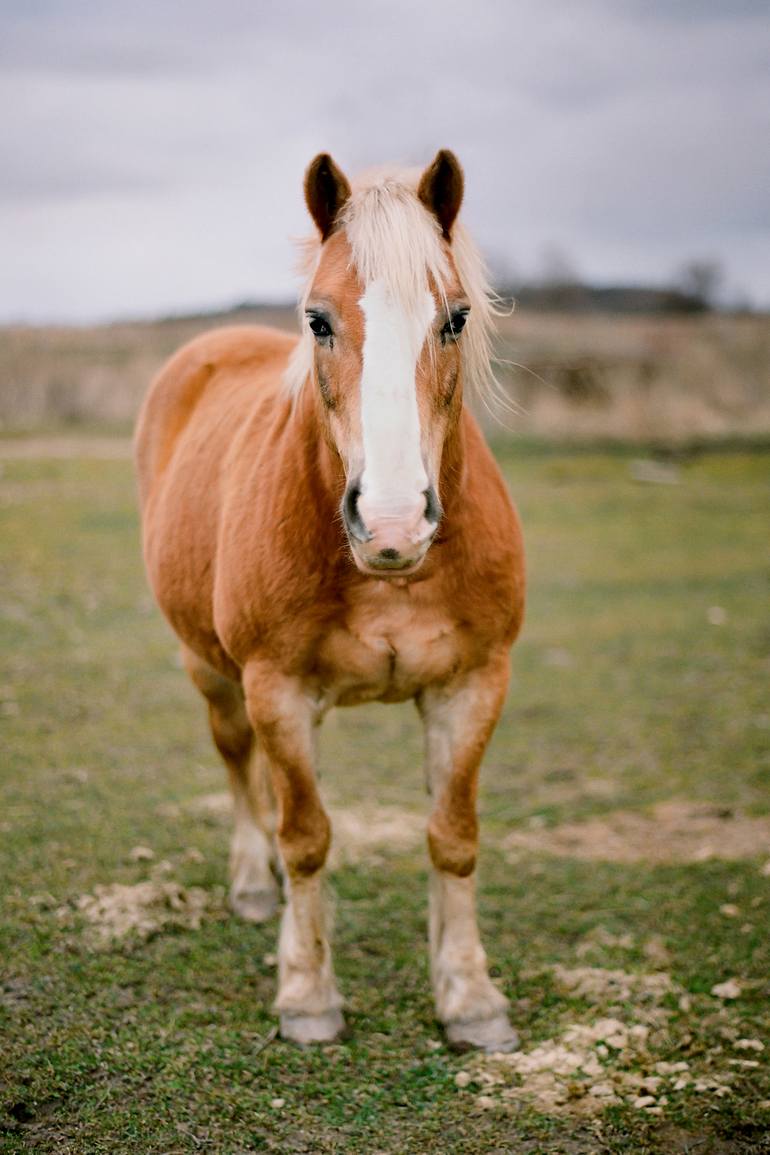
{"x":323,"y":525}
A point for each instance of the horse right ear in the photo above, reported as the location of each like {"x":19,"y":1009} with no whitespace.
{"x":441,"y":189}
{"x":326,"y":191}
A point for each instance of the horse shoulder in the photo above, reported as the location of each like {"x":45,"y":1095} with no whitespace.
{"x":281,"y":554}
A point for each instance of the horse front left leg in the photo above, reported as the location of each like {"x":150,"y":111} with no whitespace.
{"x":459,"y":721}
{"x":283,"y":717}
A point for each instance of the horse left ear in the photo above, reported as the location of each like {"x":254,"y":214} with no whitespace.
{"x":441,"y":189}
{"x":326,"y":191}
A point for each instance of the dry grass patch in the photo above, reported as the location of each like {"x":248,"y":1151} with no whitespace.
{"x":68,"y":448}
{"x":668,"y":378}
{"x":673,"y":832}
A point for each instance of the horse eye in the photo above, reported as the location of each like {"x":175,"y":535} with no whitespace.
{"x":454,"y":326}
{"x":320,"y":327}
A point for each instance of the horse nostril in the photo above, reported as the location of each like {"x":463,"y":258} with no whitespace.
{"x":433,"y":510}
{"x":390,"y":554}
{"x":351,"y":515}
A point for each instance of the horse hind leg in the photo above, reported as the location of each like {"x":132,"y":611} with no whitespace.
{"x":253,"y":890}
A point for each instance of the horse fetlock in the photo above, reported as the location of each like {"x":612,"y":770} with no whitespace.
{"x":255,"y":905}
{"x":306,"y":983}
{"x":307,"y":992}
{"x":474,"y":1012}
{"x":254,"y":893}
{"x":251,"y":853}
{"x":465,"y":994}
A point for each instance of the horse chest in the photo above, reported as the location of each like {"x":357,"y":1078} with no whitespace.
{"x":387,"y":647}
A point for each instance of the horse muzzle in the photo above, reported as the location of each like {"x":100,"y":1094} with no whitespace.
{"x":390,"y":540}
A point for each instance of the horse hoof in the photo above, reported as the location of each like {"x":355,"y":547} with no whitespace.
{"x":255,"y":905}
{"x":306,"y":1029}
{"x":490,"y":1035}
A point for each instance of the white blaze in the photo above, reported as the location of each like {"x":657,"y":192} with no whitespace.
{"x":394,"y":476}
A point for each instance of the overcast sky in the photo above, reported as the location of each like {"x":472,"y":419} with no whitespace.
{"x":151,"y":154}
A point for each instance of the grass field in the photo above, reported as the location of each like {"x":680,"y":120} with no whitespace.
{"x":624,"y":878}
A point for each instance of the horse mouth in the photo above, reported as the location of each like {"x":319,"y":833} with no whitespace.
{"x":388,"y":567}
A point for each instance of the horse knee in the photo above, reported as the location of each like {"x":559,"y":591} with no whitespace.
{"x":304,"y":839}
{"x":283,"y":720}
{"x":453,"y":845}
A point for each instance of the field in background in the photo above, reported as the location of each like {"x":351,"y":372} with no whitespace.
{"x":624,"y":877}
{"x":669,"y":379}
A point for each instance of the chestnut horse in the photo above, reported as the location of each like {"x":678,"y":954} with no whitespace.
{"x":324,"y":525}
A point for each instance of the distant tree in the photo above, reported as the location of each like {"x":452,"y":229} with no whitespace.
{"x":701,"y":278}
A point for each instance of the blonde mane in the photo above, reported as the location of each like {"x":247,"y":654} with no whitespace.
{"x":393,"y":237}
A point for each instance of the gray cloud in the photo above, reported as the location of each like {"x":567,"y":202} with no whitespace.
{"x":151,"y":155}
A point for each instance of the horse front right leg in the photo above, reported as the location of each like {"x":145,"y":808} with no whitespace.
{"x":284,"y":720}
{"x":254,"y":893}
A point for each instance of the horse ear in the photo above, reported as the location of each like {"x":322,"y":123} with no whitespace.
{"x":441,"y":189}
{"x":326,"y":191}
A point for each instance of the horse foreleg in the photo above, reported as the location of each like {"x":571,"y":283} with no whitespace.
{"x":459,"y":721}
{"x":284,"y":720}
{"x":253,"y":889}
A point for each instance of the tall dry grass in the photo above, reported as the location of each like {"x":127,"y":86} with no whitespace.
{"x":570,"y":376}
{"x":663,"y":378}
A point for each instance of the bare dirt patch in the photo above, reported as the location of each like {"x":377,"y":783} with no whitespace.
{"x":614,"y":1058}
{"x":359,"y":834}
{"x":597,"y":985}
{"x":674,"y":831}
{"x":367,"y":833}
{"x":117,"y":911}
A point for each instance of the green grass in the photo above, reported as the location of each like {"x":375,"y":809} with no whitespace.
{"x":624,"y":695}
